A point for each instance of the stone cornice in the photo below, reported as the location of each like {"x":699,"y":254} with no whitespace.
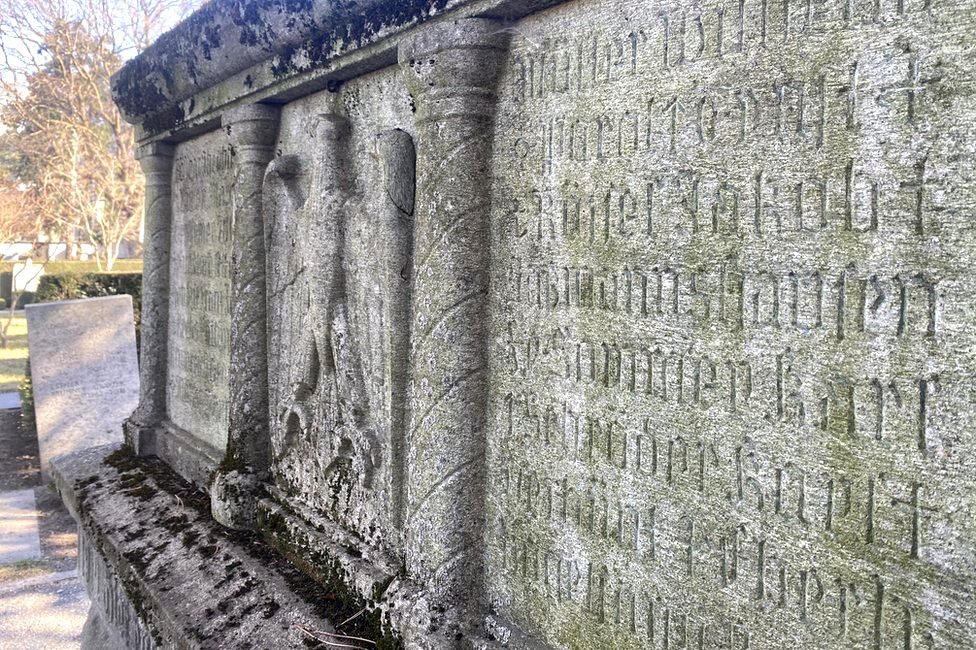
{"x":243,"y":51}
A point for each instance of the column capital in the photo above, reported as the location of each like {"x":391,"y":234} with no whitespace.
{"x":156,"y":156}
{"x":253,"y":128}
{"x":452,"y":67}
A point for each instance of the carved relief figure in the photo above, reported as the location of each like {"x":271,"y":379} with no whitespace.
{"x":349,"y":384}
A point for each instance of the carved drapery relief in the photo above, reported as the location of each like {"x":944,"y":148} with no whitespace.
{"x":340,"y":412}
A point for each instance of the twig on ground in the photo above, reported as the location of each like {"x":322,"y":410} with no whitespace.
{"x":353,"y":617}
{"x":351,"y":638}
{"x":331,"y":644}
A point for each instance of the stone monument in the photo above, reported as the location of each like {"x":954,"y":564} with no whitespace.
{"x":527,"y":323}
{"x":84,"y":373}
{"x":25,"y":276}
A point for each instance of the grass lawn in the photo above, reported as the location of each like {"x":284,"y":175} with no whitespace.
{"x":13,"y":358}
{"x":77,"y":266}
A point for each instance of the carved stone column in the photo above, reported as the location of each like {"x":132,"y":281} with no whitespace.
{"x":156,"y":159}
{"x":451,"y":70}
{"x":253,"y":131}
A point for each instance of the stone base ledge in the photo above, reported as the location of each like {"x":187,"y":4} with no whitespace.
{"x":192,"y":459}
{"x":161,"y":573}
{"x":333,"y":556}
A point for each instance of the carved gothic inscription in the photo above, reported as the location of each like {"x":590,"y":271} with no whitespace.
{"x":731,"y":389}
{"x":200,"y":272}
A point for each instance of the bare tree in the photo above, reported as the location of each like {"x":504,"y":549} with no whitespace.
{"x":19,"y":223}
{"x":18,"y":216}
{"x":64,"y":138}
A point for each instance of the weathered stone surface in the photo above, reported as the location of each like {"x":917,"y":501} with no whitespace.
{"x":84,"y":372}
{"x":252,"y":131}
{"x":732,"y":391}
{"x":223,"y":39}
{"x":96,"y":634}
{"x":451,"y":70}
{"x":200,"y":271}
{"x":339,"y":209}
{"x":572,"y":324}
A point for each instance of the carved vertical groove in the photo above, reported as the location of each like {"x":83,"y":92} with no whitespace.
{"x":451,"y":70}
{"x":398,"y":157}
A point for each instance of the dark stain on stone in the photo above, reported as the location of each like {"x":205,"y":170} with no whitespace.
{"x":270,"y":608}
{"x":190,"y":538}
{"x":328,"y":587}
{"x":210,"y":39}
{"x":83,"y":483}
{"x":166,"y":119}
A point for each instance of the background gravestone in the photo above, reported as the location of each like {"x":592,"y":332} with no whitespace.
{"x":83,"y":371}
{"x":26,"y":276}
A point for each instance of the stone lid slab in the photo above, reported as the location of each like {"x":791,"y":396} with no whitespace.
{"x":227,"y":36}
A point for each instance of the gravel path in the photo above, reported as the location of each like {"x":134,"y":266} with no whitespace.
{"x":47,"y":612}
{"x":43,"y":604}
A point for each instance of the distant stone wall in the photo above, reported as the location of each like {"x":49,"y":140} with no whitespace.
{"x":575,"y":324}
